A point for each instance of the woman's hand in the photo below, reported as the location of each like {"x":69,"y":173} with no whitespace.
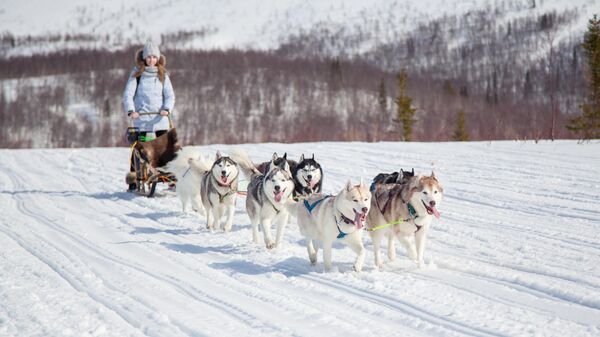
{"x":134,"y":115}
{"x":164,"y":113}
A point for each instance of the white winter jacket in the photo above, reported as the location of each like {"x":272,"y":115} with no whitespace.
{"x":151,"y":96}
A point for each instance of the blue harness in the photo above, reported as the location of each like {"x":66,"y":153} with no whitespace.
{"x":341,"y":234}
{"x":310,"y":207}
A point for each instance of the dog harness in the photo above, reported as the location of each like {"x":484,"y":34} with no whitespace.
{"x":341,"y":234}
{"x":310,"y":207}
{"x":230,"y":192}
{"x":186,"y":172}
{"x":413,"y":216}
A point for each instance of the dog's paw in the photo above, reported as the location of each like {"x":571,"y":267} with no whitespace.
{"x":270,"y":245}
{"x":391,"y":255}
{"x":358,"y":267}
{"x":422,"y":265}
{"x":427,"y":265}
{"x":313,"y":259}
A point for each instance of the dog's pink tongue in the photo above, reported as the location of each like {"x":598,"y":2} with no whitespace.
{"x":358,"y":221}
{"x":224,"y":179}
{"x":278,"y":196}
{"x":312,"y":183}
{"x":435,"y":212}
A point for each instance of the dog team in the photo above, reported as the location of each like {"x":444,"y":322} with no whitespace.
{"x":400,"y":205}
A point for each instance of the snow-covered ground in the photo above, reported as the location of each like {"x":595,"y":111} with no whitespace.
{"x":517,"y":250}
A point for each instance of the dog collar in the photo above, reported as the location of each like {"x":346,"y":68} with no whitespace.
{"x":412,"y":211}
{"x":346,"y":220}
{"x":413,"y":215}
{"x":341,"y":234}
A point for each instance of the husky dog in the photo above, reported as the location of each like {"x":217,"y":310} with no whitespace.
{"x":392,"y":178}
{"x":189,"y":168}
{"x":404,"y":211}
{"x":205,"y":184}
{"x":281,"y":162}
{"x":219,"y":191}
{"x":308,"y":177}
{"x":325,"y":219}
{"x":266,"y":198}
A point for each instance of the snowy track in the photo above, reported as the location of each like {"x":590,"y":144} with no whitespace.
{"x":516,"y":252}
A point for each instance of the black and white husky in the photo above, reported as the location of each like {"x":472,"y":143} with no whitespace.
{"x":307,"y":173}
{"x":266,"y":197}
{"x":281,"y":162}
{"x":308,"y":177}
{"x":205,"y":184}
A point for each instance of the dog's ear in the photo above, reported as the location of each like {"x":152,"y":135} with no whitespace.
{"x":349,"y":185}
{"x":433,"y":176}
{"x":302,"y":158}
{"x":313,"y":156}
{"x":410,"y":187}
{"x":412,"y":172}
{"x":218,"y":155}
{"x":285,"y":156}
{"x":274,"y":156}
{"x":400,"y":177}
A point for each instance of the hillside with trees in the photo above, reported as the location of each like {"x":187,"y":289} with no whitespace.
{"x":481,"y":75}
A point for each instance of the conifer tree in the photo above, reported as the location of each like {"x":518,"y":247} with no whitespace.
{"x":587,"y":125}
{"x":382,"y":103}
{"x":461,"y":134}
{"x":382,"y":97}
{"x":404,"y":108}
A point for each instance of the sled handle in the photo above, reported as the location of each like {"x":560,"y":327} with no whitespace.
{"x":152,"y":113}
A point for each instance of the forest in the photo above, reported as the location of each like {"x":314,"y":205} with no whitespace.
{"x":509,"y":79}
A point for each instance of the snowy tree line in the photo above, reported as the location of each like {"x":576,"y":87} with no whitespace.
{"x":505,"y":80}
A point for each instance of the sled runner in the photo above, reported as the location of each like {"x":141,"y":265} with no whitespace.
{"x":148,"y":158}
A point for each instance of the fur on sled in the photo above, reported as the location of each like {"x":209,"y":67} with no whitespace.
{"x":160,"y":151}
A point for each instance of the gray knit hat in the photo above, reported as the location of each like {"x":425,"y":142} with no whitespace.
{"x":150,"y":50}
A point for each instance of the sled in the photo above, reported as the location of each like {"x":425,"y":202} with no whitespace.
{"x":148,"y":159}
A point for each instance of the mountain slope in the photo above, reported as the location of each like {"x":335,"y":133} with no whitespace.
{"x":252,"y":24}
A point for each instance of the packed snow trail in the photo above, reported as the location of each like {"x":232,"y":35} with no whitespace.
{"x":515,"y":252}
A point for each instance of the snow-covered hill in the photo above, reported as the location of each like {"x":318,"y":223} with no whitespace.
{"x":515,"y":252}
{"x":250,"y":24}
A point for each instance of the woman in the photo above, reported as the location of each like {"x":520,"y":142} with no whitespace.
{"x":148,"y":98}
{"x":149,"y":90}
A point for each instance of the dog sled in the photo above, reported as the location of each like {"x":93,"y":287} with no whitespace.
{"x":148,"y":159}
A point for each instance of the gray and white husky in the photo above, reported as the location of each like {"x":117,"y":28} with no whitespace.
{"x":404,"y":211}
{"x":206,"y":184}
{"x":266,"y":198}
{"x":219,"y":192}
{"x":326,"y":219}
